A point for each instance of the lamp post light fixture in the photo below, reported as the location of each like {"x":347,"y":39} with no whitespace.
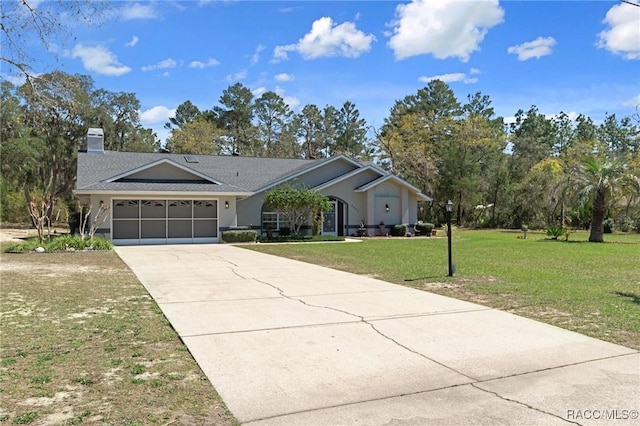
{"x":449,"y":207}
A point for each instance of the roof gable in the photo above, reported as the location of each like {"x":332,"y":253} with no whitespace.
{"x":395,"y":179}
{"x":163,"y":170}
{"x":315,"y":166}
{"x":349,"y":175}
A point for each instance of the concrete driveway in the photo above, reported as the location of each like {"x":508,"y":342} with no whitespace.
{"x":286,"y":342}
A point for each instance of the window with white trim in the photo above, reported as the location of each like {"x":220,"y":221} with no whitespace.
{"x":271,"y":220}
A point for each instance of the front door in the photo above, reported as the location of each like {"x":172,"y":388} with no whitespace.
{"x":329,"y":220}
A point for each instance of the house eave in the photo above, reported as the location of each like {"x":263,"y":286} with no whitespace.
{"x":163,"y":194}
{"x":345,"y":177}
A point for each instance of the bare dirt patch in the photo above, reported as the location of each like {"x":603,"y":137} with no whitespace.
{"x":82,"y":342}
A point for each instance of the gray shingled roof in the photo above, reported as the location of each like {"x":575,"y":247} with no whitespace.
{"x":236,"y":174}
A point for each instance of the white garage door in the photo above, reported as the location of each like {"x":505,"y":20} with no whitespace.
{"x":164,"y":221}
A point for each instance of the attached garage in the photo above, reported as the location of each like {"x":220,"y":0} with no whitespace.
{"x":164,"y":221}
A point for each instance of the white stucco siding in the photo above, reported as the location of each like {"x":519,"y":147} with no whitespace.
{"x":250,"y":210}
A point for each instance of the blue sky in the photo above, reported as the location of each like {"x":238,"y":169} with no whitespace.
{"x":571,"y":56}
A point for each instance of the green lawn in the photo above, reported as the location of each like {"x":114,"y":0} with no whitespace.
{"x":587,"y":287}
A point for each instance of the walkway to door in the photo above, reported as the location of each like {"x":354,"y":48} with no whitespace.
{"x":286,"y":342}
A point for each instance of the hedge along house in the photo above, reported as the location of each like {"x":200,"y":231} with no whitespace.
{"x":164,"y":198}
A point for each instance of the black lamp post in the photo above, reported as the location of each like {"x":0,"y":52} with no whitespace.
{"x":449,"y":232}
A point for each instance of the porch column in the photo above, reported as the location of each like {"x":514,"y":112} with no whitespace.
{"x":371,"y":203}
{"x":405,"y":205}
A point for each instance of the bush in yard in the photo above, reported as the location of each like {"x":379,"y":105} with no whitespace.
{"x":240,"y":236}
{"x":399,"y":230}
{"x":555,"y":232}
{"x":63,"y":242}
{"x":424,"y":228}
{"x":626,"y":224}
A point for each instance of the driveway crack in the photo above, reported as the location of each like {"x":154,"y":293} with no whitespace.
{"x":364,"y":321}
{"x":504,"y":398}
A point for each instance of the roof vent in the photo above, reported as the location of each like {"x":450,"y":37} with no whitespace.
{"x":191,"y":159}
{"x":95,"y":140}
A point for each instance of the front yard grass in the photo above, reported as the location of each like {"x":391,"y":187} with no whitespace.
{"x":591,"y":288}
{"x":83,"y":342}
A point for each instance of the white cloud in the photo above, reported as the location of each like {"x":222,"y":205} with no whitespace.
{"x":292,"y":101}
{"x":237,"y":76}
{"x":474,"y":71}
{"x":287,"y":9}
{"x":443,"y":28}
{"x":259,"y":91}
{"x":156,"y":114}
{"x":328,"y":39}
{"x":633,"y":102}
{"x":542,"y":46}
{"x":99,"y":60}
{"x":256,"y":55}
{"x":283,"y":77}
{"x":571,"y":115}
{"x":164,"y":64}
{"x":280,"y":53}
{"x":211,"y":62}
{"x":138,"y":11}
{"x":16,"y":80}
{"x":623,"y":35}
{"x":133,"y":42}
{"x":452,"y":77}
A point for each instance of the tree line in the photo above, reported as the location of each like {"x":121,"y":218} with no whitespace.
{"x":265,"y":126}
{"x":538,"y":170}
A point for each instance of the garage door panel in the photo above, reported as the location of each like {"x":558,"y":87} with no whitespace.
{"x":153,"y":209}
{"x":126,"y":209}
{"x":205,"y":228}
{"x":205,"y":209}
{"x":125,"y":229}
{"x":153,"y":229}
{"x":180,"y":209}
{"x":180,"y":228}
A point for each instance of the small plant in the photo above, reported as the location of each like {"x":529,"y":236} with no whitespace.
{"x":554,"y":232}
{"x":362,"y":230}
{"x":26,"y":418}
{"x":138,"y":369}
{"x":85,"y":381}
{"x":41,"y":380}
{"x":608,"y":226}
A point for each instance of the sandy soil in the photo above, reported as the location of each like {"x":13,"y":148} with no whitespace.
{"x":14,"y":233}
